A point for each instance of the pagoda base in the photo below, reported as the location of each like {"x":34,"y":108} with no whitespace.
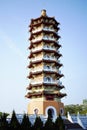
{"x":43,"y":108}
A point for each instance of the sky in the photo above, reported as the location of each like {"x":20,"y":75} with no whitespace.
{"x":15,"y":16}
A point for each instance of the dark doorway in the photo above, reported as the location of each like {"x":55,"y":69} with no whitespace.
{"x":50,"y":112}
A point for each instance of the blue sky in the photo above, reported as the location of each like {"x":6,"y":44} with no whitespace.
{"x":14,"y":20}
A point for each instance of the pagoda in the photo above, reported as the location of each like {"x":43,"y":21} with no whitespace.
{"x":44,"y":67}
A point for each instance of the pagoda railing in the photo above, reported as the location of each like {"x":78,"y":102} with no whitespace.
{"x":49,"y":29}
{"x":46,"y":81}
{"x":51,"y":81}
{"x":49,"y":57}
{"x":39,"y":82}
{"x":45,"y":69}
{"x":49,"y":38}
{"x":45,"y":58}
{"x":44,"y":47}
{"x":49,"y":48}
{"x":44,"y":28}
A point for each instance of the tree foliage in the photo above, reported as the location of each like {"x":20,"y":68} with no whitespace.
{"x":59,"y":124}
{"x":3,"y":122}
{"x":74,"y":109}
{"x":38,"y":124}
{"x":14,"y":124}
{"x":26,"y":124}
{"x":49,"y":124}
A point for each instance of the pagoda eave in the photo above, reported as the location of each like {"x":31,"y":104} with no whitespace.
{"x":42,"y":18}
{"x":59,"y":95}
{"x":45,"y":32}
{"x":43,"y":23}
{"x":44,"y":84}
{"x":45,"y":93}
{"x":46,"y":72}
{"x":34,"y":94}
{"x":57,"y":54}
{"x":44,"y":60}
{"x":48,"y":50}
{"x":46,"y":41}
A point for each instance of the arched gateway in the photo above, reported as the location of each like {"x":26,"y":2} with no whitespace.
{"x":51,"y":111}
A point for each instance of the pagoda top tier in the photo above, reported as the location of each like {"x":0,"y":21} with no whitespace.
{"x":42,"y":17}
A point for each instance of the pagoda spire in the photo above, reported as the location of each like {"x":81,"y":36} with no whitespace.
{"x":45,"y":87}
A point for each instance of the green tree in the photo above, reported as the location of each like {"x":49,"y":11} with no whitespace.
{"x":6,"y":114}
{"x":3,"y":122}
{"x":59,"y":124}
{"x":49,"y":124}
{"x":14,"y":124}
{"x":38,"y":124}
{"x":74,"y":109}
{"x":26,"y":124}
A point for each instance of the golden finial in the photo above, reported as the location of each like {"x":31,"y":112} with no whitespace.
{"x":43,"y":12}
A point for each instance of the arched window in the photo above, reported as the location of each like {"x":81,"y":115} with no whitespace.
{"x":48,"y":56}
{"x":61,"y":111}
{"x":36,"y":111}
{"x":48,"y":67}
{"x":47,"y":79}
{"x":47,"y":46}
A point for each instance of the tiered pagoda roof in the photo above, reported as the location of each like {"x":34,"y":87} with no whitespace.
{"x":44,"y":61}
{"x":43,"y":31}
{"x":56,"y":44}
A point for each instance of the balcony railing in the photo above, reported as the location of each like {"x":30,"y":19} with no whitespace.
{"x":44,"y":38}
{"x":45,"y":58}
{"x":49,"y":29}
{"x":50,"y":69}
{"x":51,"y":81}
{"x":49,"y":48}
{"x":49,"y":58}
{"x":45,"y":47}
{"x":33,"y":82}
{"x":44,"y":69}
{"x":49,"y":38}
